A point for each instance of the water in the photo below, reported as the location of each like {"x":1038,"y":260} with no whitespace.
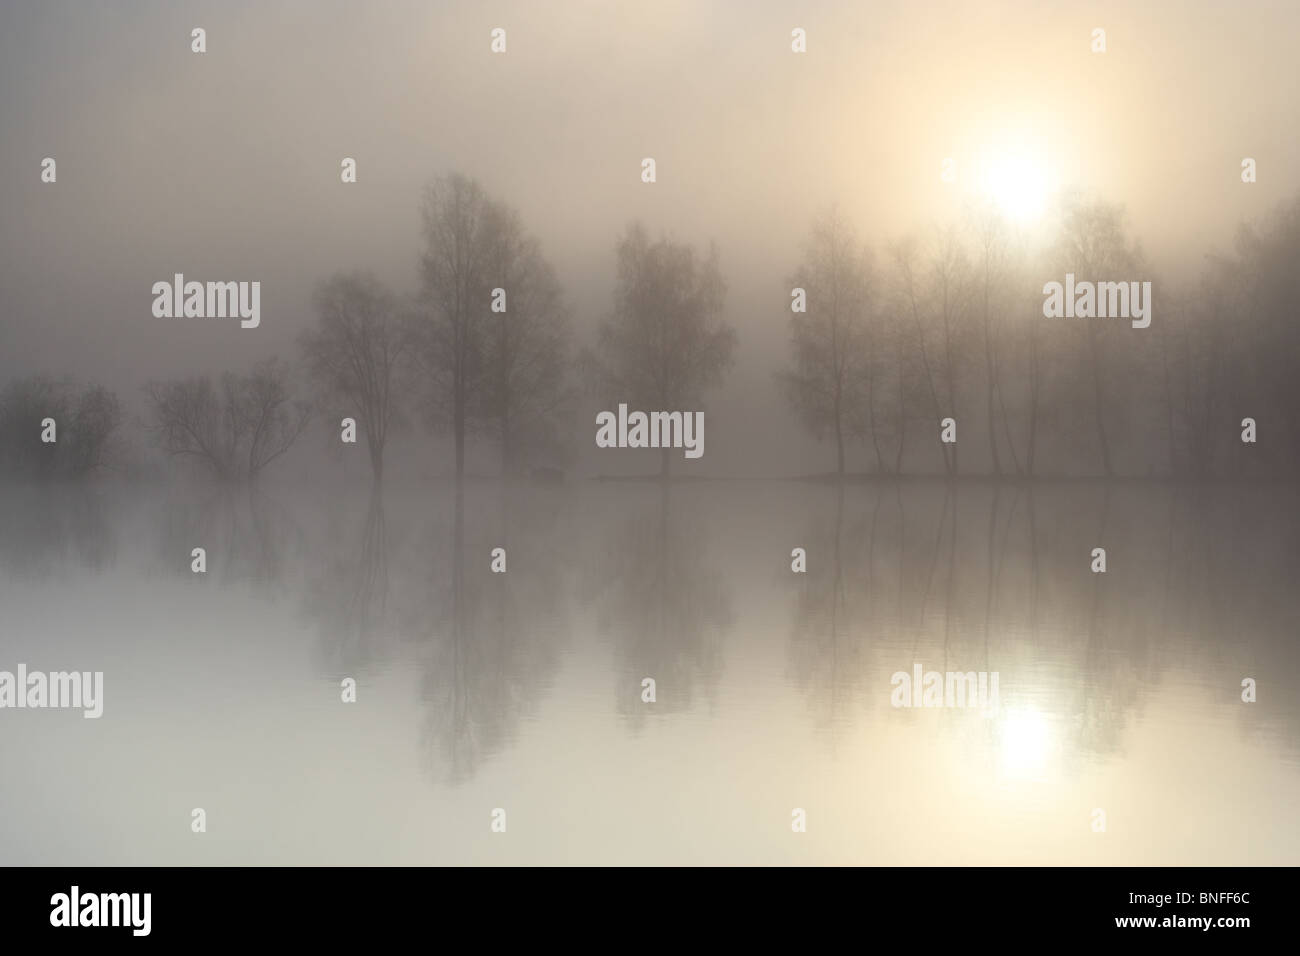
{"x":522,"y":691}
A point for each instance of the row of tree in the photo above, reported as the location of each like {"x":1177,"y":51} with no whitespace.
{"x":954,"y":327}
{"x":879,"y":353}
{"x":52,"y":429}
{"x":483,"y":350}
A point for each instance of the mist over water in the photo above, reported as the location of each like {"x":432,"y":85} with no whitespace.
{"x":943,"y":302}
{"x":522,"y":690}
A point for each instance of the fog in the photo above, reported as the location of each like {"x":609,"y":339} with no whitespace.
{"x":979,"y":330}
{"x":226,"y":165}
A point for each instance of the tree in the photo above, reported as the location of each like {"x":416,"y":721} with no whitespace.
{"x":992,"y":268}
{"x":1029,"y":325}
{"x":1270,"y":341}
{"x":235,"y":431}
{"x":460,"y":225}
{"x":904,"y":383}
{"x":950,"y":298}
{"x":96,"y":416}
{"x":525,"y":351}
{"x":665,"y":344}
{"x":355,"y":353}
{"x":87,"y":423}
{"x":1092,"y":245}
{"x":829,"y":380}
{"x":933,"y":290}
{"x":24,"y":404}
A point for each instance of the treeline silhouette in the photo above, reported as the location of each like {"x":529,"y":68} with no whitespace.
{"x":882,"y":347}
{"x":953,"y":326}
{"x":81,"y":423}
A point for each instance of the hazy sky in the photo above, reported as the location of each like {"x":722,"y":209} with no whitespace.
{"x":226,"y":165}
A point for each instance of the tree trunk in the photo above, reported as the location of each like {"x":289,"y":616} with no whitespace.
{"x":1097,"y":405}
{"x":506,"y":451}
{"x":902,"y":439}
{"x":460,"y":444}
{"x":988,"y":371}
{"x":1033,"y":437}
{"x":1034,"y":390}
{"x":871,"y":419}
{"x":839,"y":447}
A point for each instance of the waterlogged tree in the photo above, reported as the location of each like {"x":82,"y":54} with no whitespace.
{"x":1197,"y":368}
{"x":900,"y":383}
{"x":1028,"y":331}
{"x":951,"y":287}
{"x":24,"y":405}
{"x":1228,"y":351}
{"x":523,"y":387}
{"x":1092,"y":245}
{"x":96,"y":418}
{"x":447,"y":329}
{"x":1269,"y":338}
{"x":933,"y":289}
{"x":991,"y":273}
{"x":829,"y":381}
{"x":666,"y":343}
{"x":959,"y":330}
{"x":85,"y":429}
{"x":234,"y":429}
{"x":355,"y":356}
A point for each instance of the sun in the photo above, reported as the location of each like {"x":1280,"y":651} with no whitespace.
{"x":1017,"y":184}
{"x":1026,"y":742}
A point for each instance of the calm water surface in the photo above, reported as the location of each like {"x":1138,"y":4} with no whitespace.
{"x":522,"y":691}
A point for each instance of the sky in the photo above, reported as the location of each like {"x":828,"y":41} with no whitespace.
{"x":225,"y":165}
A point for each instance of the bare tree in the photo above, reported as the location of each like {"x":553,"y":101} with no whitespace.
{"x":24,"y":404}
{"x":354,"y":355}
{"x":666,"y":343}
{"x":950,"y":298}
{"x":829,"y":379}
{"x":525,"y":352}
{"x":187,"y":421}
{"x":460,"y":225}
{"x":934,"y":293}
{"x":1093,"y":246}
{"x":270,"y":416}
{"x":906,"y":400}
{"x":96,"y":417}
{"x":235,"y":431}
{"x":1267,"y":254}
{"x":1034,"y":370}
{"x":992,"y":250}
{"x":86,"y":428}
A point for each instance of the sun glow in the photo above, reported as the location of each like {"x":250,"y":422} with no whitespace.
{"x":1016,"y":183}
{"x":1026,"y":742}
